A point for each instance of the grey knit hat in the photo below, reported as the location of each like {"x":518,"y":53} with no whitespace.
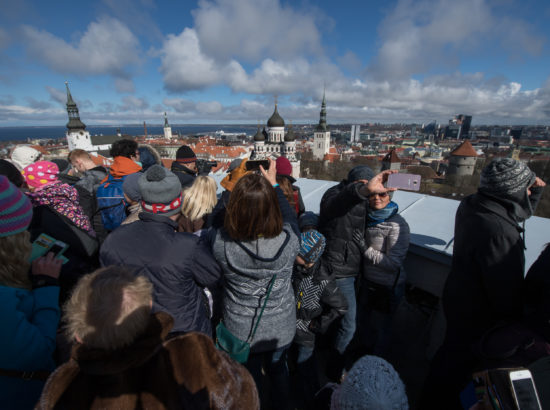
{"x":506,"y":178}
{"x":160,"y":191}
{"x":360,"y":172}
{"x":372,"y":383}
{"x":130,"y":186}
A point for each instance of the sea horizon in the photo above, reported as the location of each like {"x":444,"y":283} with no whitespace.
{"x":22,"y":133}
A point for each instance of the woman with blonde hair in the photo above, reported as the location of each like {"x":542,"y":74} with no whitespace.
{"x":29,"y":311}
{"x":198,"y":201}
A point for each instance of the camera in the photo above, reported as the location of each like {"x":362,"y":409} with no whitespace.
{"x":204,"y":166}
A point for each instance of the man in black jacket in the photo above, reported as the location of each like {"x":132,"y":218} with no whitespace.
{"x":485,"y":283}
{"x":185,"y":166}
{"x":178,"y":265}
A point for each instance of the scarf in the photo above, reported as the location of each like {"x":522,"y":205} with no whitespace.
{"x":374,"y":217}
{"x":122,"y":166}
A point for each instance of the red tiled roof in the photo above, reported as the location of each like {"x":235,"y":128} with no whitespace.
{"x":167,"y":162}
{"x":100,"y":160}
{"x":465,"y":150}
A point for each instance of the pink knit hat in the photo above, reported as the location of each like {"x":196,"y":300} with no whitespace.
{"x":40,"y":174}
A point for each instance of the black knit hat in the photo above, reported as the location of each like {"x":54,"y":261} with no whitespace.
{"x":185,"y":155}
{"x":360,"y":172}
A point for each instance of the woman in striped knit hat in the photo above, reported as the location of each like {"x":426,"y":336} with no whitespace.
{"x":29,"y":311}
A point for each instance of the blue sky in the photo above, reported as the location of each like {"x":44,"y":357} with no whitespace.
{"x":223,"y":61}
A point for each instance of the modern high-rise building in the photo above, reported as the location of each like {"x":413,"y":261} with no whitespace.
{"x":355,"y":134}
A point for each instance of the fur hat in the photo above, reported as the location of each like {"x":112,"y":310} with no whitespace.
{"x":360,"y":172}
{"x":185,"y":155}
{"x":15,"y":209}
{"x":312,"y":246}
{"x":40,"y":174}
{"x":23,"y":155}
{"x":231,"y":179}
{"x":148,"y":156}
{"x":372,"y":383}
{"x":506,"y":178}
{"x":160,"y":191}
{"x":130,"y":186}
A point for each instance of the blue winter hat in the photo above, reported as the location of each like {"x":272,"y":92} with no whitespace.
{"x":308,"y":219}
{"x":360,"y":172}
{"x":312,"y":245}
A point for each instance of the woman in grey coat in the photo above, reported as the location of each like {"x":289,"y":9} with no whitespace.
{"x":384,"y":246}
{"x":259,"y":240}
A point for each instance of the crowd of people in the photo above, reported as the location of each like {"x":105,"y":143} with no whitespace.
{"x":137,"y":286}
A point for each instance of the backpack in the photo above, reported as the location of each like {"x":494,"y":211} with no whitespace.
{"x":111,"y":203}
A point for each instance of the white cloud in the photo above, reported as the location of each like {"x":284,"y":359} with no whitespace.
{"x":210,"y":107}
{"x":420,"y":35}
{"x":107,"y":47}
{"x":255,"y":29}
{"x":124,"y":85}
{"x":57,"y":95}
{"x":184,"y":66}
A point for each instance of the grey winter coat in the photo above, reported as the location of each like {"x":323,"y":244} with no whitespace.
{"x":248,"y":267}
{"x":388,"y":244}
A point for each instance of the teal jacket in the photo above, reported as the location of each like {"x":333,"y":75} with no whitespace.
{"x":28,"y":319}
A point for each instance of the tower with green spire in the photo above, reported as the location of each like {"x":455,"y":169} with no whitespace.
{"x":77,"y":136}
{"x":321,"y":137}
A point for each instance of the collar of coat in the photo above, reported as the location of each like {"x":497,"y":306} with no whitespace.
{"x":149,"y":217}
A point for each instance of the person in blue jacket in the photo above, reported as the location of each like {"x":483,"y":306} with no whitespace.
{"x":29,"y":310}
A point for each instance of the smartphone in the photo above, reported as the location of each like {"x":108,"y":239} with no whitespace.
{"x":524,"y":389}
{"x":255,"y":164}
{"x":410,"y":182}
{"x":58,"y":248}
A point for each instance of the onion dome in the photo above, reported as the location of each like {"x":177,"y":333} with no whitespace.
{"x":259,"y":136}
{"x":275,"y":120}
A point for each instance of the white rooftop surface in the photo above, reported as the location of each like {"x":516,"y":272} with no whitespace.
{"x":430,"y":218}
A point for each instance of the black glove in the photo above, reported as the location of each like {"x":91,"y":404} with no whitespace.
{"x":359,"y":240}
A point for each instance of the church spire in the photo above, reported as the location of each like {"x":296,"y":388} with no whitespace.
{"x":323,"y":116}
{"x":72,"y":111}
{"x":166,"y":121}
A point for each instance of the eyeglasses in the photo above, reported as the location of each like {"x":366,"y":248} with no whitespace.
{"x":381,"y":195}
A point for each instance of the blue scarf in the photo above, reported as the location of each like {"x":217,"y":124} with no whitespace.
{"x":374,"y":217}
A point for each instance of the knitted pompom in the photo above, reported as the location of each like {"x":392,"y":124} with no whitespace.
{"x":156,"y":173}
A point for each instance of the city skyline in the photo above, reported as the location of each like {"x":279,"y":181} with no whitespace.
{"x":224,"y":61}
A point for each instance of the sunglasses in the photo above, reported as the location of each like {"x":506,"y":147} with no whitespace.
{"x":381,"y":195}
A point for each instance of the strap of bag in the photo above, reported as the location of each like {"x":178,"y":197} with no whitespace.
{"x":19,"y":374}
{"x":263,"y":307}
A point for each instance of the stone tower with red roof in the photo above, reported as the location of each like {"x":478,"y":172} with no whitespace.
{"x":462,"y":161}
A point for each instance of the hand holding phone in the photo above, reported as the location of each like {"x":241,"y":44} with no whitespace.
{"x":410,"y":182}
{"x":254,"y":165}
{"x":524,"y":389}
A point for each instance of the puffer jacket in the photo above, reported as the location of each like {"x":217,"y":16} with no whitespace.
{"x":343,"y":209}
{"x":248,"y":268}
{"x":388,"y":244}
{"x":86,"y":188}
{"x":175,"y":262}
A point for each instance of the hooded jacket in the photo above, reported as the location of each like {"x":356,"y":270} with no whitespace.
{"x":485,"y":283}
{"x":343,"y":209}
{"x":186,"y":372}
{"x":248,"y":268}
